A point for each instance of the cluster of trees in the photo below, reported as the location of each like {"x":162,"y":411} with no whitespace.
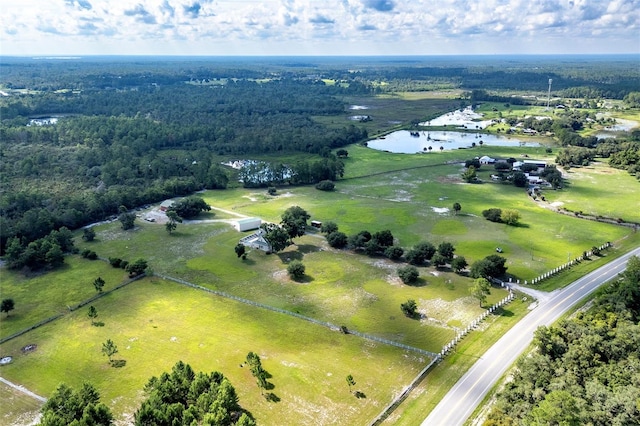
{"x":185,"y":397}
{"x":293,"y":225}
{"x":150,"y":143}
{"x":508,"y":216}
{"x":262,"y":174}
{"x":584,"y":370}
{"x":382,"y":244}
{"x":67,"y":406}
{"x":189,"y":207}
{"x":47,"y":252}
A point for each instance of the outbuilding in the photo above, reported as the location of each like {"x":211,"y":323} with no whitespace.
{"x":248,"y":224}
{"x":165,"y":205}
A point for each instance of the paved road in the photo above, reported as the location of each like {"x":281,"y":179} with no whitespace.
{"x":456,"y":407}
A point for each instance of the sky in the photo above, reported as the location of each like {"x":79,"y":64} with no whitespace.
{"x":318,"y":27}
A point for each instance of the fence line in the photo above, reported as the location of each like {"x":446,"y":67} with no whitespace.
{"x":449,"y":346}
{"x":567,"y":265}
{"x":71,"y":309}
{"x":297,"y":315}
{"x":405,"y":392}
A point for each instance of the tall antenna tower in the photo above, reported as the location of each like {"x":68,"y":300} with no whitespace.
{"x":549,"y":93}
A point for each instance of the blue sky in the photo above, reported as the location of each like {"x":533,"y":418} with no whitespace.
{"x":322,"y":27}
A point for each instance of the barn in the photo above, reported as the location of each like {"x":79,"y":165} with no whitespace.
{"x":248,"y":224}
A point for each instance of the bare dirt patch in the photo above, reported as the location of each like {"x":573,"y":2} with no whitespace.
{"x":441,"y":312}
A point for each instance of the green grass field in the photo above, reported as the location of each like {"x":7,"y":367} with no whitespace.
{"x":47,"y":294}
{"x":156,"y":323}
{"x":585,"y":192}
{"x":17,"y":408}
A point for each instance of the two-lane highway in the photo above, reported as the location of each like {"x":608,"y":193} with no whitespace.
{"x":456,"y":407}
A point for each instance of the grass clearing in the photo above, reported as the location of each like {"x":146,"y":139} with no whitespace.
{"x":17,"y":408}
{"x":155,"y":323}
{"x":585,"y":192}
{"x":44,"y":295}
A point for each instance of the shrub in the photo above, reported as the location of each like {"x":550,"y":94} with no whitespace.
{"x":408,"y":274}
{"x":337,"y":239}
{"x":394,"y":252}
{"x":115,"y":262}
{"x":296,"y":270}
{"x":492,"y":214}
{"x":409,"y":308}
{"x":328,"y":227}
{"x":459,"y":263}
{"x":325,"y":185}
{"x":89,"y":254}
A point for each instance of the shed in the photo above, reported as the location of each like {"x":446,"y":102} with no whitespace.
{"x":248,"y":224}
{"x":165,"y":205}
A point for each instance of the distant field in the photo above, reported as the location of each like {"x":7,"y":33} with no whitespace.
{"x":388,"y":111}
{"x":600,"y":190}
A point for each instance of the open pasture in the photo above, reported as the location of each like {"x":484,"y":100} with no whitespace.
{"x":340,"y":287}
{"x":598,"y":189}
{"x":44,"y":295}
{"x":155,"y":323}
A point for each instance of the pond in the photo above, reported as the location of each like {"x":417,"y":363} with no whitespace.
{"x":621,"y":125}
{"x":462,"y":118}
{"x":45,"y":121}
{"x":406,"y":142}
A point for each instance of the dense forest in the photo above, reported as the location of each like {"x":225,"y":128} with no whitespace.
{"x":583,"y":371}
{"x":130,"y":131}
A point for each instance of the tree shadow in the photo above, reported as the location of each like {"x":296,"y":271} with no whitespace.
{"x":118,"y":363}
{"x":420,"y":282}
{"x":97,"y":323}
{"x":359,"y":395}
{"x":248,"y":261}
{"x":271,"y":397}
{"x":307,"y":248}
{"x":306,"y":279}
{"x":288,"y":256}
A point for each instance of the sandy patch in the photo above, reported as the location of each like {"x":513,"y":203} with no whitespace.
{"x":441,"y":312}
{"x":440,"y":210}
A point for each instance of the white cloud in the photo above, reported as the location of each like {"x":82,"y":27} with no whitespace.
{"x":327,"y":27}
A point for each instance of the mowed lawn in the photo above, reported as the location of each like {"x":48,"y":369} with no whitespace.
{"x":155,"y":323}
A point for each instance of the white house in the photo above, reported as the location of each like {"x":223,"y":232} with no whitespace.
{"x":248,"y":224}
{"x":256,"y":241}
{"x":485,"y":159}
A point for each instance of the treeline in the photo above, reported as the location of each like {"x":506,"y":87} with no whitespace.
{"x":128,"y":148}
{"x":583,"y":371}
{"x":180,"y":397}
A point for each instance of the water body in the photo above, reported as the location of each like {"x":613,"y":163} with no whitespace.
{"x":462,"y":118}
{"x":45,"y":121}
{"x":621,"y":125}
{"x":406,"y":142}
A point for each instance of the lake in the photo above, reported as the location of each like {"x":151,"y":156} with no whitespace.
{"x":406,"y":142}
